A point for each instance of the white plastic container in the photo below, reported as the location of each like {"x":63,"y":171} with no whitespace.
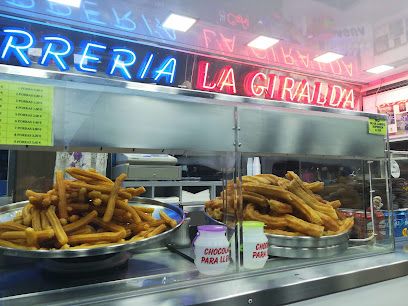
{"x":211,"y":249}
{"x":255,"y":245}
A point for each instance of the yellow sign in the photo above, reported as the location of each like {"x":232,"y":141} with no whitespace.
{"x":26,"y":114}
{"x":377,"y":126}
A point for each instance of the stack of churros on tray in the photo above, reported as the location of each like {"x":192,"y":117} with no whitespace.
{"x":288,"y":206}
{"x":86,"y":212}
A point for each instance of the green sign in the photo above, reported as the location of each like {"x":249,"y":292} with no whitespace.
{"x":377,"y":126}
{"x":26,"y":114}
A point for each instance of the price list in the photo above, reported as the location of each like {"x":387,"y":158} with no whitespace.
{"x":26,"y":114}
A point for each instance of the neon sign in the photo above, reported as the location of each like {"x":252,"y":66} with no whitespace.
{"x":72,"y":50}
{"x":58,"y":50}
{"x":257,"y":83}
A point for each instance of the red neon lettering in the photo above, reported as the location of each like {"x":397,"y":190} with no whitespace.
{"x":227,"y":79}
{"x":336,"y":63}
{"x":260,"y":54}
{"x":336,"y":94}
{"x":202,"y":75}
{"x":271,"y":86}
{"x":319,"y":98}
{"x":238,"y":19}
{"x":349,"y":68}
{"x":272,"y":51}
{"x":303,"y":92}
{"x":304,"y":59}
{"x":288,"y":58}
{"x":252,"y":87}
{"x":286,"y":85}
{"x":208,"y":37}
{"x":349,"y":100}
{"x":228,"y":42}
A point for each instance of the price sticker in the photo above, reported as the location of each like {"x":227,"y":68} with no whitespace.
{"x":377,"y":126}
{"x":26,"y":111}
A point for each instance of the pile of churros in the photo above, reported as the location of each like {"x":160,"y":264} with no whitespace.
{"x":288,"y":206}
{"x":86,"y":212}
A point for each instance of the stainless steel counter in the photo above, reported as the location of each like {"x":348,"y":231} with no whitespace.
{"x":161,"y":277}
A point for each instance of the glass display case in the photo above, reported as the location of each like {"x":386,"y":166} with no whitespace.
{"x":308,"y":173}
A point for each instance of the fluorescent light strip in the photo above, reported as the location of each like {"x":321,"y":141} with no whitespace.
{"x":380,"y":69}
{"x":179,"y":22}
{"x":74,"y":3}
{"x":263,"y":42}
{"x":327,"y":57}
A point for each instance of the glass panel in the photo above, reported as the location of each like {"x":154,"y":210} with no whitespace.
{"x":334,"y":196}
{"x":182,"y":182}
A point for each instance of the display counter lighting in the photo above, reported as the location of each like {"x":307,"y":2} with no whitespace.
{"x":380,"y":69}
{"x":262,"y":42}
{"x":74,"y":3}
{"x":179,"y":22}
{"x":327,"y":57}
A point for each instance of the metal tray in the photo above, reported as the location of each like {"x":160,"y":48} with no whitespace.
{"x":307,"y":252}
{"x":306,"y":241}
{"x":8,"y":212}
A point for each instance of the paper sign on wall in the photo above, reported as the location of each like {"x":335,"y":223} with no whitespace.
{"x":26,"y":114}
{"x":377,"y":126}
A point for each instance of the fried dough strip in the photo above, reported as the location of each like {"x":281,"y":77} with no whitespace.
{"x":81,"y":222}
{"x":169,"y":221}
{"x":124,"y":205}
{"x":56,"y":226}
{"x":89,"y":174}
{"x":282,"y":232}
{"x":110,"y":226}
{"x":305,"y":210}
{"x":304,"y":227}
{"x":335,"y":204}
{"x":112,"y":198}
{"x":136,"y":191}
{"x":273,"y":179}
{"x":158,"y":230}
{"x":87,"y":229}
{"x":62,"y":204}
{"x":279,"y":207}
{"x":36,"y":221}
{"x":250,"y":213}
{"x":102,"y":188}
{"x":144,"y":216}
{"x":12,"y":245}
{"x":297,"y":189}
{"x":41,"y":235}
{"x":329,"y":223}
{"x":12,"y":226}
{"x":269,"y":191}
{"x":252,"y":197}
{"x":27,"y":217}
{"x":147,"y":210}
{"x":97,"y":237}
{"x":315,"y":186}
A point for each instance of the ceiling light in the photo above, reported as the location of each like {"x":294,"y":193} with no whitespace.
{"x":74,"y":3}
{"x":179,"y":22}
{"x":262,"y":42}
{"x":328,"y":57}
{"x":380,"y":69}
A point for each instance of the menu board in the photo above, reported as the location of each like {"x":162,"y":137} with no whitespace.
{"x":26,"y":114}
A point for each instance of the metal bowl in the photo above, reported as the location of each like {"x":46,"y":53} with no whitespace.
{"x":288,"y":252}
{"x":8,"y":212}
{"x":306,"y":241}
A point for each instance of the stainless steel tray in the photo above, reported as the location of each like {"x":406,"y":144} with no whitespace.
{"x":305,"y":241}
{"x":307,"y":252}
{"x":8,"y":212}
